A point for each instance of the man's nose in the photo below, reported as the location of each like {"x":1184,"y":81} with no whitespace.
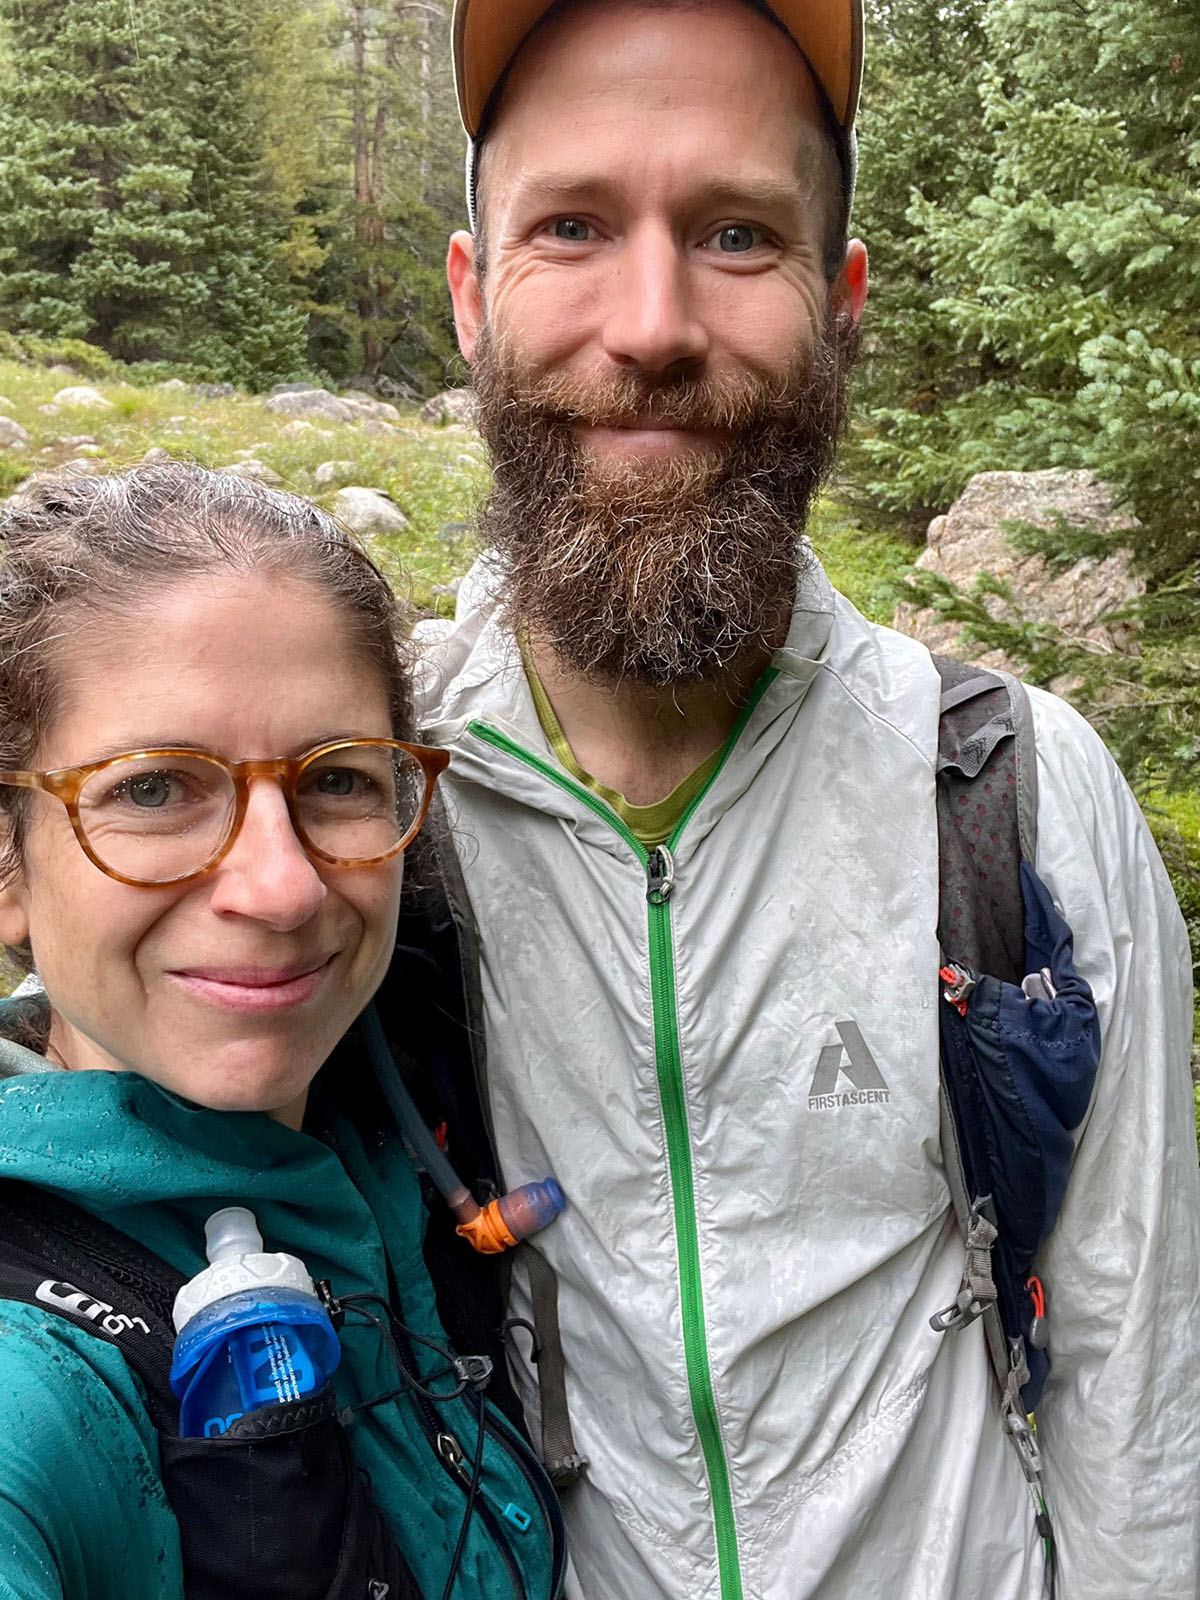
{"x":266,"y":874}
{"x":652,"y":321}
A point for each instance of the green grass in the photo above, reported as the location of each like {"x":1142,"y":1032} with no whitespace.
{"x":865,"y":564}
{"x":436,"y":476}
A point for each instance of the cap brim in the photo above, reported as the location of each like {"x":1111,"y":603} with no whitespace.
{"x":488,"y":34}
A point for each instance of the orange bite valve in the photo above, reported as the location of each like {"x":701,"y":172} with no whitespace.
{"x":487,"y":1231}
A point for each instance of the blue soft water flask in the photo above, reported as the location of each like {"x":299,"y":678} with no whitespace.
{"x":251,"y":1330}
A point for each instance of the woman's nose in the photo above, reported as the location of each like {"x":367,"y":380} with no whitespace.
{"x":266,"y":873}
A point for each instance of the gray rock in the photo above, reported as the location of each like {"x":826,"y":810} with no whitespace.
{"x":292,"y":430}
{"x":368,"y":406}
{"x":6,"y":404}
{"x":257,"y":470}
{"x":88,"y":450}
{"x":312,"y":403}
{"x":11,"y":432}
{"x":156,"y":456}
{"x":368,"y":511}
{"x":452,"y":405}
{"x":171,"y":384}
{"x":83,"y":396}
{"x":380,"y":428}
{"x":62,"y":370}
{"x":78,"y":438}
{"x":968,"y":540}
{"x":214,"y":391}
{"x":291,"y":388}
{"x":331,"y":471}
{"x":49,"y":409}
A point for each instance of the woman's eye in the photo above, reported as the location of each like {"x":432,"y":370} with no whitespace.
{"x":150,"y":791}
{"x":736,"y":239}
{"x":571,"y":228}
{"x":338,"y":782}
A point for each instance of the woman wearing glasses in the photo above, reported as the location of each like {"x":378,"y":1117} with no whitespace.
{"x":207,"y":791}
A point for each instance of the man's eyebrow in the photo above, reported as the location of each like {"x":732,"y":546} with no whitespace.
{"x":562,"y":191}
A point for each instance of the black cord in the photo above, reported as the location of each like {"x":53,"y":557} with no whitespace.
{"x":469,"y":1372}
{"x":472,"y":1496}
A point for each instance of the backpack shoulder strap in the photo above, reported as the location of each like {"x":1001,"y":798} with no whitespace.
{"x":57,"y":1256}
{"x":987,"y":817}
{"x":438,"y":945}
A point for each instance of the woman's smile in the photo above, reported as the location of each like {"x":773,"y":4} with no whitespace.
{"x":255,"y":988}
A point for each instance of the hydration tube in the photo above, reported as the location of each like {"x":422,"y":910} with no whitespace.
{"x":500,"y":1224}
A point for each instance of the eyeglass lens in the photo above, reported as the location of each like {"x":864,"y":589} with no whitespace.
{"x":154,"y":818}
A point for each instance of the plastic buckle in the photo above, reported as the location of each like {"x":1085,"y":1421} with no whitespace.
{"x":959,"y":1315}
{"x":1028,"y":1451}
{"x":475,"y":1370}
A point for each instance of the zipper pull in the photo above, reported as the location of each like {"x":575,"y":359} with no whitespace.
{"x":660,"y":875}
{"x":960,"y":983}
{"x":450,"y":1451}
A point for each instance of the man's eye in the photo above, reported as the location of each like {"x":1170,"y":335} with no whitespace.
{"x":735,"y":239}
{"x":571,"y":228}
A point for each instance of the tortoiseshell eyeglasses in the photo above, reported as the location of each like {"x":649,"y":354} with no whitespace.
{"x":156,"y":817}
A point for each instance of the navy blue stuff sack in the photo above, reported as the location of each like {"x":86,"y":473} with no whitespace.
{"x":1019,"y":1066}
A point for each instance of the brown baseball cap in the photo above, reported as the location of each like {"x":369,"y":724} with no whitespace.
{"x":488,"y":34}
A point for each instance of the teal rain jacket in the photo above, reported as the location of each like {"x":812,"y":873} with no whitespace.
{"x":82,"y":1509}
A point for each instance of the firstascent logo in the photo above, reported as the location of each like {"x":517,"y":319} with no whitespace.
{"x":851,"y":1059}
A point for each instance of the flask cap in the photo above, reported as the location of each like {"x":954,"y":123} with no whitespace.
{"x":238,"y":1262}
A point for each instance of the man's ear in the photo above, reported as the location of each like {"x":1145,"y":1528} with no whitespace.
{"x":465,"y":293}
{"x":850,"y":286}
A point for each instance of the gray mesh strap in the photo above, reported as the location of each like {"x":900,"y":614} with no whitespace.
{"x":1026,"y":756}
{"x":562,"y":1461}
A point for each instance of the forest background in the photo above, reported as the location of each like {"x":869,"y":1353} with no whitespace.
{"x":260,"y":191}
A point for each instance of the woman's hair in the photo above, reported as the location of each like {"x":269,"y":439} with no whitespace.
{"x":77,"y":548}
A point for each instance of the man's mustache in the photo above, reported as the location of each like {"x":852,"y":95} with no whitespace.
{"x":691,"y":403}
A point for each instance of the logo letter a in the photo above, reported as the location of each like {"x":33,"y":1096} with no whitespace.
{"x":860,"y":1068}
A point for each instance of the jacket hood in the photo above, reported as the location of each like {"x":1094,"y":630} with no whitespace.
{"x":121,"y":1146}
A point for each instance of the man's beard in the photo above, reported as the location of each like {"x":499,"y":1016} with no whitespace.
{"x":661,"y":571}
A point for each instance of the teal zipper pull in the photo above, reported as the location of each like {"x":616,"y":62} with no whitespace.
{"x":518,"y":1516}
{"x":660,"y":875}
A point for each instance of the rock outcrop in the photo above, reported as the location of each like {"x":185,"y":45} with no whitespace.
{"x":970,"y":539}
{"x":368,"y":511}
{"x":452,"y":405}
{"x":312,"y":403}
{"x":83,"y":396}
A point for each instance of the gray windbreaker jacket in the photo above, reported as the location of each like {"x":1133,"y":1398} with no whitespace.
{"x":746,"y":1271}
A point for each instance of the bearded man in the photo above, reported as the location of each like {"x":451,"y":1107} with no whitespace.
{"x":695,"y":842}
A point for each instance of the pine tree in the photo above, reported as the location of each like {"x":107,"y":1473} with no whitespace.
{"x":95,"y":164}
{"x":920,"y":131}
{"x":244,"y":327}
{"x":403,"y":165}
{"x":1070,"y":288}
{"x":129,"y":209}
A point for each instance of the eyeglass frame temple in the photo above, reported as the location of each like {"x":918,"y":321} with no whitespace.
{"x":66,"y":784}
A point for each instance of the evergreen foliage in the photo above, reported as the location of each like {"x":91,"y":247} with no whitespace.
{"x":128,"y":207}
{"x":1063,"y":318}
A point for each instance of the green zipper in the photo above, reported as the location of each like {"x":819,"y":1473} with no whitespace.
{"x":657,"y":864}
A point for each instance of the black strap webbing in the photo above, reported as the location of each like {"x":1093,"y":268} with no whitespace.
{"x":59,"y":1257}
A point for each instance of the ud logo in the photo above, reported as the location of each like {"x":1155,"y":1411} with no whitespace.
{"x":852,"y":1060}
{"x":66,"y":1297}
